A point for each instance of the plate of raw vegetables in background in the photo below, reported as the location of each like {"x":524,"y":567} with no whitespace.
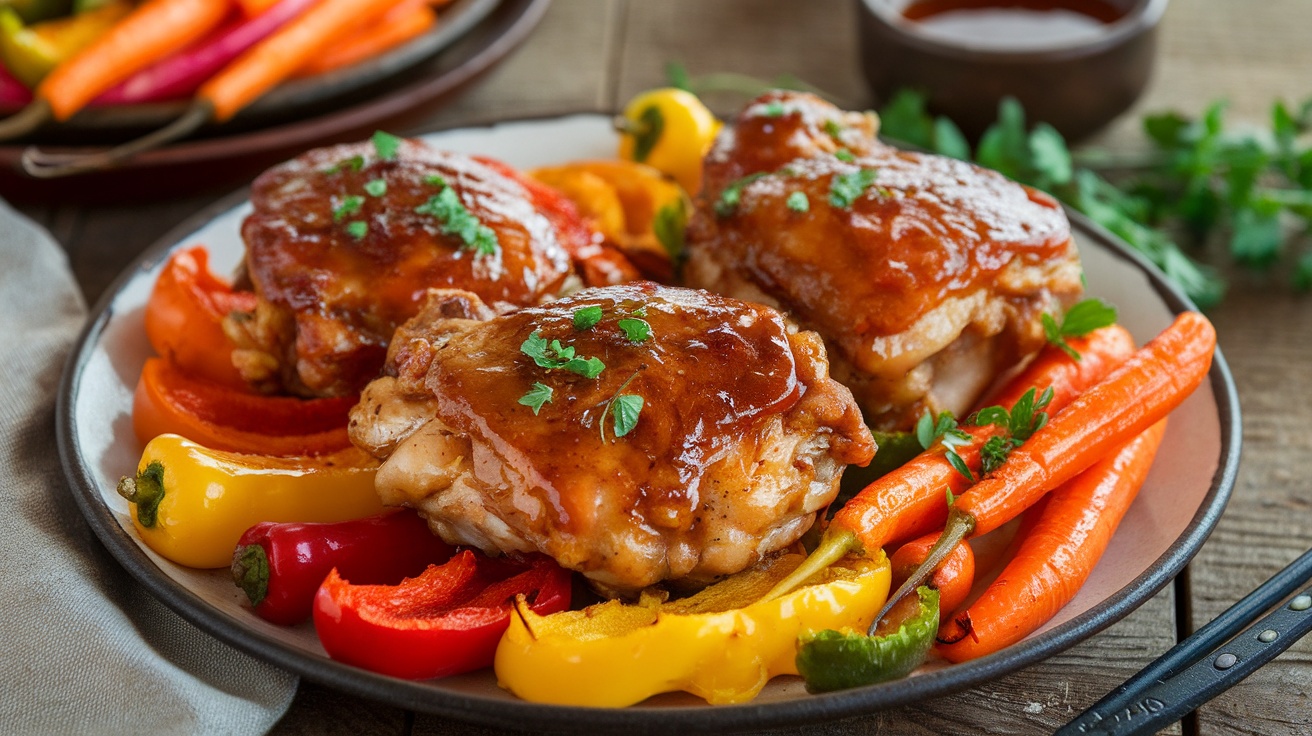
{"x":1180,"y":502}
{"x":442,"y":48}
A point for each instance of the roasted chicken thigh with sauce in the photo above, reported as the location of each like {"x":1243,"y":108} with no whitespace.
{"x":344,"y":243}
{"x":635,"y":433}
{"x":926,"y":275}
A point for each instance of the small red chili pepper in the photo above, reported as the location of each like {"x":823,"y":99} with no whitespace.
{"x":280,"y":566}
{"x":444,"y":622}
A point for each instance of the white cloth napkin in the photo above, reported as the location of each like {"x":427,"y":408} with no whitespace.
{"x":83,"y":647}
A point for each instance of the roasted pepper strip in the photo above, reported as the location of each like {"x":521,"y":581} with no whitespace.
{"x":717,"y":644}
{"x":191,"y":504}
{"x":167,"y":401}
{"x":837,"y":660}
{"x":444,"y":622}
{"x":281,"y":565}
{"x":184,"y":318}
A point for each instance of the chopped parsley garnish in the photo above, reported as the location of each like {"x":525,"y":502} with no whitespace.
{"x":349,"y":205}
{"x":456,"y":220}
{"x":386,"y":145}
{"x":624,"y":410}
{"x":636,"y":330}
{"x":944,"y":429}
{"x":539,"y":394}
{"x":773,"y":109}
{"x":848,"y":188}
{"x":640,"y":311}
{"x":434,"y":180}
{"x":733,"y":194}
{"x":797,"y":202}
{"x":844,"y":155}
{"x":376,"y":187}
{"x":357,"y":229}
{"x":354,"y":163}
{"x":1025,"y":418}
{"x":1079,"y":320}
{"x":833,"y":129}
{"x":585,"y":318}
{"x":553,"y":355}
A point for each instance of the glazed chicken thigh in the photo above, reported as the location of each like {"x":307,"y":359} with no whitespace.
{"x":344,"y":243}
{"x":926,"y":275}
{"x":635,"y":433}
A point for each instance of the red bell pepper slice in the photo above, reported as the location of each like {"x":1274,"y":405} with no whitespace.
{"x":281,"y":565}
{"x":184,"y":318}
{"x":444,"y":622}
{"x":168,"y":400}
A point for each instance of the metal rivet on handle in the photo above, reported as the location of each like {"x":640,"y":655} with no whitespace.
{"x":1225,"y":661}
{"x":1268,"y":636}
{"x":1301,"y":603}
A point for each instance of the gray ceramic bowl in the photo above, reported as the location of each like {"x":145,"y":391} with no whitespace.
{"x":1077,"y":87}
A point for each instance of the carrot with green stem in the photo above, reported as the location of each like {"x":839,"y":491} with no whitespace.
{"x":1056,"y":554}
{"x":912,"y":500}
{"x":1136,"y":395}
{"x":152,"y":31}
{"x":263,"y":66}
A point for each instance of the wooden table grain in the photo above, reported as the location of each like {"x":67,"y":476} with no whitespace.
{"x":594,"y":54}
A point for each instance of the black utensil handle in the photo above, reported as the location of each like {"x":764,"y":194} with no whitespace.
{"x":1203,"y":641}
{"x":1169,"y":700}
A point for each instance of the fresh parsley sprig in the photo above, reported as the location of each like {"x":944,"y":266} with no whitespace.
{"x":537,"y":395}
{"x":1081,"y":319}
{"x":623,"y":409}
{"x":556,"y":356}
{"x":1024,"y":419}
{"x":944,"y":430}
{"x":455,"y":219}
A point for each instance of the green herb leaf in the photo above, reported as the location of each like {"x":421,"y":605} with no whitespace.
{"x":773,"y":109}
{"x":844,"y":155}
{"x":905,"y":119}
{"x":647,"y":132}
{"x":959,"y":465}
{"x":553,"y":355}
{"x":1257,"y":237}
{"x":349,"y":205}
{"x":386,"y":145}
{"x":1049,"y":157}
{"x":435,"y":180}
{"x":844,"y":189}
{"x":677,"y":75}
{"x":834,"y":130}
{"x":354,"y":163}
{"x":447,"y":208}
{"x":949,"y":140}
{"x":585,"y":318}
{"x":732,"y":195}
{"x":636,"y":330}
{"x":1081,"y":319}
{"x":376,"y":187}
{"x":625,"y":409}
{"x":797,"y":202}
{"x":1302,"y":279}
{"x":536,"y":396}
{"x":357,"y":229}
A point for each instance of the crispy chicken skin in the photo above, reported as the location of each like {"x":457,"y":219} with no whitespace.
{"x":343,"y":245}
{"x":741,"y":438}
{"x":926,"y":282}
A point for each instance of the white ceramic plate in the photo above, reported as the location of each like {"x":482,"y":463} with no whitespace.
{"x":1180,"y":503}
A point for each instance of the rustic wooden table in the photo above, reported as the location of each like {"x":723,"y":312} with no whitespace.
{"x":594,"y":54}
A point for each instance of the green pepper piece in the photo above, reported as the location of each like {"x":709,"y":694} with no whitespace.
{"x":832,"y":660}
{"x":895,"y":450}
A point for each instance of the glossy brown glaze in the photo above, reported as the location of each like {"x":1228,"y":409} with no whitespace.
{"x":929,"y":227}
{"x":741,"y":437}
{"x":346,"y":294}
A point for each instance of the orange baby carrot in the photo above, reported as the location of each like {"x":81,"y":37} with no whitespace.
{"x":953,"y":579}
{"x":402,"y":23}
{"x":912,"y":500}
{"x":152,"y":31}
{"x":1056,"y":555}
{"x":1136,"y":395}
{"x":291,"y":47}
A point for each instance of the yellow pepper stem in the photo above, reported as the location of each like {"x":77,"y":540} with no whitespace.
{"x":833,"y":545}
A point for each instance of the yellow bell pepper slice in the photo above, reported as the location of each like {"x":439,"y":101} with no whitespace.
{"x":722,"y":644}
{"x":191,"y":504}
{"x":671,"y":130}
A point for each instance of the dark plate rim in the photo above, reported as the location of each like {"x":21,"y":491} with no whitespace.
{"x":636,"y":719}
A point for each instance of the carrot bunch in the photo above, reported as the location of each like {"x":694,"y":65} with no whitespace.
{"x":1075,"y":473}
{"x":227,"y":52}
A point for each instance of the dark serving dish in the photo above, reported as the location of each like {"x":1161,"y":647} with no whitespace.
{"x":1077,"y":88}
